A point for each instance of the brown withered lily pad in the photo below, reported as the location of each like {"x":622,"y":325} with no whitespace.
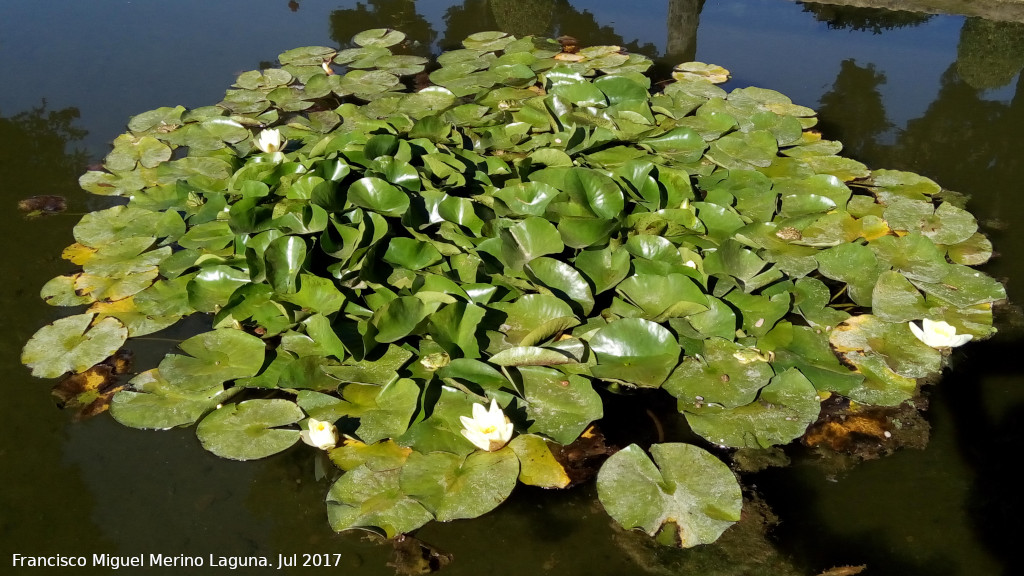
{"x":89,"y":393}
{"x":582,"y":459}
{"x":413,"y":557}
{"x":850,"y":430}
{"x":42,"y":205}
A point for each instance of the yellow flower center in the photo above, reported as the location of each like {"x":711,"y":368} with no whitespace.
{"x":489,"y":429}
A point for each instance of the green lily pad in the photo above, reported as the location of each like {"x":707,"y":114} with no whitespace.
{"x":250,"y":430}
{"x":72,"y":344}
{"x":529,"y":239}
{"x":454,"y":328}
{"x":379,"y":456}
{"x":528,"y":198}
{"x":152,"y":402}
{"x":316,"y":294}
{"x":138,"y":322}
{"x":384,"y":412}
{"x":211,"y":288}
{"x":399,"y":318}
{"x":285,"y":258}
{"x":782,"y":412}
{"x":121,"y":222}
{"x":727,"y":374}
{"x":744,"y":150}
{"x":373,"y":500}
{"x":895,"y":299}
{"x":474,"y":372}
{"x":685,"y":491}
{"x":60,"y":291}
{"x":441,"y":431}
{"x":663,"y":297}
{"x":561,"y":407}
{"x":378,"y":37}
{"x":488,"y":41}
{"x":854,"y":264}
{"x":214,"y":358}
{"x":378,"y":195}
{"x":411,"y":253}
{"x":881,"y":386}
{"x":380,"y":371}
{"x":604,"y":268}
{"x":636,"y":351}
{"x":530,"y":356}
{"x":306,"y":55}
{"x":962,"y":287}
{"x":974,"y":251}
{"x":454,"y":487}
{"x":537,"y":463}
{"x":562,"y":278}
{"x":903,"y":352}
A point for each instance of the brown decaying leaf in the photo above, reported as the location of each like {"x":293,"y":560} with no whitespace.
{"x":89,"y":393}
{"x":842,"y":435}
{"x":45,"y":204}
{"x":570,"y":45}
{"x":413,"y":557}
{"x":868,"y":431}
{"x":582,"y":459}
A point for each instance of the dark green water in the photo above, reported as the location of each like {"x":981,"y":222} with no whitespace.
{"x":935,"y":95}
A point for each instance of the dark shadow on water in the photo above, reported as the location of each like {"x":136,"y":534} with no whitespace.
{"x":990,"y":442}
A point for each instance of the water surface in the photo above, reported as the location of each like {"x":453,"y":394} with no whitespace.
{"x":935,"y":95}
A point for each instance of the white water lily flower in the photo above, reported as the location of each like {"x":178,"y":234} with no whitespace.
{"x":938,"y":334}
{"x":488,"y":429}
{"x":323,"y":435}
{"x":270,"y":141}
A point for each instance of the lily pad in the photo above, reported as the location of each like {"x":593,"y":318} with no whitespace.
{"x":72,"y":344}
{"x":782,"y":412}
{"x":685,"y":491}
{"x":373,"y":500}
{"x":537,"y":463}
{"x":903,"y":352}
{"x":636,"y":351}
{"x":727,"y":374}
{"x":150,"y":401}
{"x":250,"y":430}
{"x":560,"y":406}
{"x":214,"y":358}
{"x":379,"y":37}
{"x":454,"y":487}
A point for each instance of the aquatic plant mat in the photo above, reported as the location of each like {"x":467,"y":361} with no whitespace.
{"x":442,"y":274}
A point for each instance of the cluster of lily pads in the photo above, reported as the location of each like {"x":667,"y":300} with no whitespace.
{"x":431,"y":270}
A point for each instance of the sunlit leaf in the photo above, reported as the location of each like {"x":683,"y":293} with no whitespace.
{"x":251,"y":429}
{"x":72,"y":344}
{"x":685,"y":491}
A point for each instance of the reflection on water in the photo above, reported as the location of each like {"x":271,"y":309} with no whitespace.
{"x":990,"y":54}
{"x":937,"y":95}
{"x":38,"y":155}
{"x":874,"y":20}
{"x":398,"y":14}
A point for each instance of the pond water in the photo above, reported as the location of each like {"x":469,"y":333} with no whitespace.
{"x":936,"y":95}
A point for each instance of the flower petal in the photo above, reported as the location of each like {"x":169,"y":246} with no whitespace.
{"x":477,"y":439}
{"x":960,"y":339}
{"x":469,"y":423}
{"x":918,"y":332}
